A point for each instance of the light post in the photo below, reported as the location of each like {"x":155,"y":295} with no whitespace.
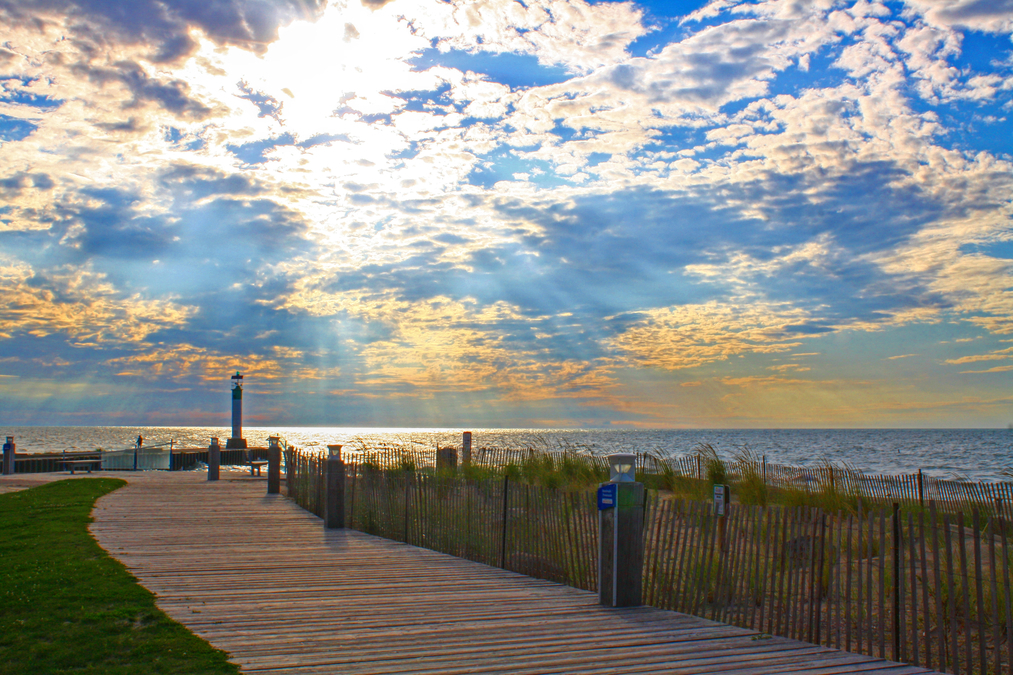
{"x":621,"y":534}
{"x":334,"y":501}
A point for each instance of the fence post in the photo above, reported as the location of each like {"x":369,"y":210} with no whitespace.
{"x":764,"y":469}
{"x":9,"y":451}
{"x":896,"y":581}
{"x":466,"y":449}
{"x":699,"y":475}
{"x":502,"y":546}
{"x":351,"y":504}
{"x":921,"y":492}
{"x":274,"y":468}
{"x":214,"y":459}
{"x":407,"y":494}
{"x":446,"y":458}
{"x":334,"y":500}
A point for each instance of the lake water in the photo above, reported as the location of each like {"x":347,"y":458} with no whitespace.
{"x":978,"y":454}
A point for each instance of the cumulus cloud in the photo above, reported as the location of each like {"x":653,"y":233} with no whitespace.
{"x":994,"y":16}
{"x":370,"y":188}
{"x":165,"y":26}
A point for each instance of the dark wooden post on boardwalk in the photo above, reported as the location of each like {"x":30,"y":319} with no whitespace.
{"x":466,"y":449}
{"x":621,"y":535}
{"x":334,"y":500}
{"x":9,"y":451}
{"x":273,"y":465}
{"x":214,"y":458}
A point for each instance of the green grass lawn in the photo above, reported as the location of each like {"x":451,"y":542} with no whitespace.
{"x":67,"y":607}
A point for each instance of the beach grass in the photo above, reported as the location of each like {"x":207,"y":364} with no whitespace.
{"x":67,"y":607}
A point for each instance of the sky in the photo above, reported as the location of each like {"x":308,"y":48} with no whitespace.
{"x":495,"y":213}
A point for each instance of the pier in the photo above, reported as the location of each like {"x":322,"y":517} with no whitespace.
{"x":259,"y":577}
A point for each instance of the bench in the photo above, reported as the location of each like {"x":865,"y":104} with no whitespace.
{"x":82,"y":464}
{"x":255,"y":464}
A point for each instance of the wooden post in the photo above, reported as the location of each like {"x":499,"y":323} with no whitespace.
{"x":274,"y":470}
{"x":621,"y":548}
{"x":10,"y":449}
{"x":466,"y":449}
{"x":699,"y":475}
{"x":896,"y":582}
{"x":921,"y":491}
{"x":334,"y":498}
{"x":446,"y":459}
{"x":407,"y":500}
{"x":214,"y":459}
{"x":764,"y":469}
{"x":503,"y":538}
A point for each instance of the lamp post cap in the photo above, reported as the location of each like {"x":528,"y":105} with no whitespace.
{"x":622,"y":467}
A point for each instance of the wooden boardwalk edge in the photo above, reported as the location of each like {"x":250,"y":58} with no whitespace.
{"x":259,"y":577}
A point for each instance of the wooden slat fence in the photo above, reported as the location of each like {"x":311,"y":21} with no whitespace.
{"x":917,"y":586}
{"x":953,"y":496}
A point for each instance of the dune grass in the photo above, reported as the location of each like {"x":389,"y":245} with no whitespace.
{"x":67,"y":607}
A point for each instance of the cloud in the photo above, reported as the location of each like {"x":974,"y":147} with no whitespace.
{"x":191,"y":363}
{"x":81,"y":305}
{"x":578,"y":35}
{"x":166,"y":26}
{"x":693,"y":335}
{"x":551,"y":202}
{"x":995,"y":16}
{"x":998,"y":355}
{"x":996,"y":369}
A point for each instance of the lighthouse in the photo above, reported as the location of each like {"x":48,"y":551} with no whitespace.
{"x":237,"y":440}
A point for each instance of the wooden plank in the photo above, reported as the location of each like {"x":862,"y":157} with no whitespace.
{"x":992,"y":577}
{"x":965,"y":593}
{"x":979,"y":596}
{"x":951,"y":596}
{"x":849,"y":604}
{"x":882,"y":584}
{"x":913,"y":585}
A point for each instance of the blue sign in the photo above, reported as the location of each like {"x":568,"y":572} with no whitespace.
{"x":607,"y":496}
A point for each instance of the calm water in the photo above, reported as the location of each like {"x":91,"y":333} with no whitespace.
{"x":980,"y":454}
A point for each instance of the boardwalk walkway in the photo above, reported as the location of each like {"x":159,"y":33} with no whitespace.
{"x":258,"y":577}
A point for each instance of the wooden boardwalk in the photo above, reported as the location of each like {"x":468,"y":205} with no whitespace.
{"x":260,"y":578}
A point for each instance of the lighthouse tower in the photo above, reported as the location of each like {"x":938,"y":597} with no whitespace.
{"x":237,"y":440}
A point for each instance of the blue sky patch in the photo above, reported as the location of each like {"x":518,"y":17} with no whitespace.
{"x":518,"y":71}
{"x":15,"y":129}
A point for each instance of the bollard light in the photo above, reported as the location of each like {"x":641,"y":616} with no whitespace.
{"x":273,"y":442}
{"x":622,"y":468}
{"x":334,"y":451}
{"x":215,"y":442}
